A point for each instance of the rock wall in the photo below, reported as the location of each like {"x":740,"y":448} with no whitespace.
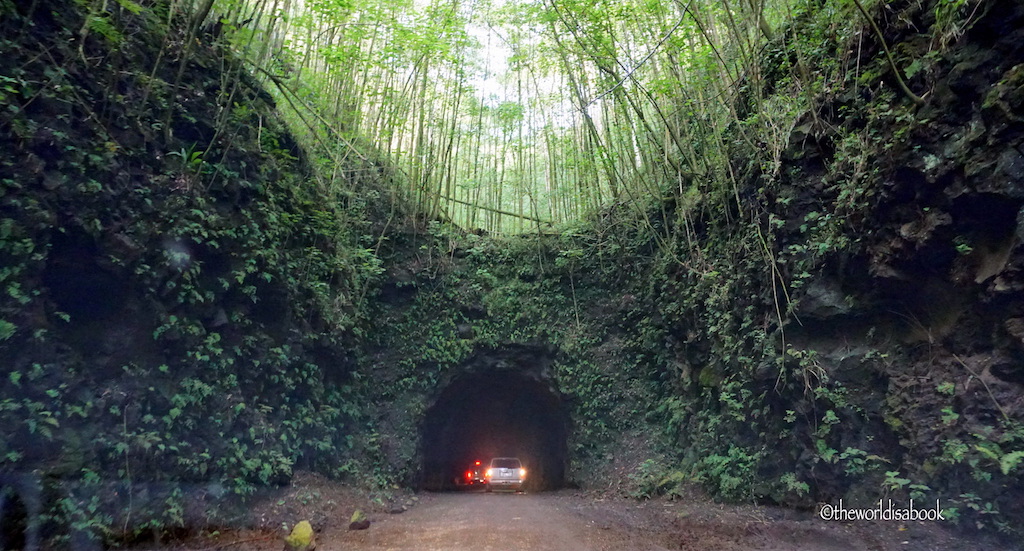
{"x":177,"y":294}
{"x":863,"y":339}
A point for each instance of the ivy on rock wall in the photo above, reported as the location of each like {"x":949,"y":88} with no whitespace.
{"x":178,"y":297}
{"x":451,"y":296}
{"x":842,"y":325}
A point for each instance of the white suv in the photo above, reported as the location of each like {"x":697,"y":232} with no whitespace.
{"x":505,"y":472}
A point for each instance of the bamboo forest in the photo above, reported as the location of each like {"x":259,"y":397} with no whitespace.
{"x":552,"y":275}
{"x":512,"y":117}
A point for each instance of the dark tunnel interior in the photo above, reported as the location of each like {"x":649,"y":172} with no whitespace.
{"x":491,"y":414}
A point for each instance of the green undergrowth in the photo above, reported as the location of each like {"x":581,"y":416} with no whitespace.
{"x":178,"y":294}
{"x":453,"y":294}
{"x":192,"y":306}
{"x":797,"y":363}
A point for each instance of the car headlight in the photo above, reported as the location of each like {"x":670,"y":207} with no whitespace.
{"x":488,"y":473}
{"x":522,"y":473}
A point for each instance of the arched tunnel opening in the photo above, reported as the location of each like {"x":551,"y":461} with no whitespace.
{"x":501,"y":413}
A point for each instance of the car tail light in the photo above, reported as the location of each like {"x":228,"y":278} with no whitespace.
{"x":469,"y":475}
{"x":522,"y":473}
{"x":477,"y":462}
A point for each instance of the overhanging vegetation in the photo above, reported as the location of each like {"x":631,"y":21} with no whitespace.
{"x":771,"y":270}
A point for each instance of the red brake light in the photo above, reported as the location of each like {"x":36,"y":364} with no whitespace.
{"x":477,"y":462}
{"x":469,"y":475}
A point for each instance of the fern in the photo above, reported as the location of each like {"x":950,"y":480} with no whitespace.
{"x":130,"y":6}
{"x":103,"y":26}
{"x":989,"y":453}
{"x":1009,"y":461}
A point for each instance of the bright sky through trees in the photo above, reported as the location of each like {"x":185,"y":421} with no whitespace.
{"x":509,"y":115}
{"x":491,"y":56}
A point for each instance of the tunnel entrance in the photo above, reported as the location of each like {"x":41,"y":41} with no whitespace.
{"x":502,"y":412}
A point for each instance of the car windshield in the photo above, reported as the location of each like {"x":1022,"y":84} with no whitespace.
{"x":505,"y":463}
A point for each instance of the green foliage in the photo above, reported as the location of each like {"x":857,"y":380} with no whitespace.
{"x":7,"y":329}
{"x":102,"y":25}
{"x":130,"y":6}
{"x":985,"y":514}
{"x":792,"y":484}
{"x":731,"y":475}
{"x":858,"y":462}
{"x":243,"y":281}
{"x":653,"y":477}
{"x":190,"y":157}
{"x":962,"y":245}
{"x":950,"y":23}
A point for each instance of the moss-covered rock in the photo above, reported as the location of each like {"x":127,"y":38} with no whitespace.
{"x":302,"y":538}
{"x":358,"y":521}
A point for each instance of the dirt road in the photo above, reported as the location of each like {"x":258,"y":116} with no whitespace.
{"x":481,"y":522}
{"x":567,"y":521}
{"x":564,"y":520}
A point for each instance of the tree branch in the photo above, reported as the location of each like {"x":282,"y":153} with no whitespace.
{"x":892,"y":63}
